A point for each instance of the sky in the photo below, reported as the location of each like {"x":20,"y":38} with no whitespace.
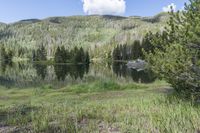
{"x":15,"y":10}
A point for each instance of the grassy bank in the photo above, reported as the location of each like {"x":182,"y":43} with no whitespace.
{"x":101,"y":106}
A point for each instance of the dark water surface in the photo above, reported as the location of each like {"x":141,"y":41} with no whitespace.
{"x":24,"y":75}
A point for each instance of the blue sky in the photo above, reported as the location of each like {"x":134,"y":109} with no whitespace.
{"x":15,"y":10}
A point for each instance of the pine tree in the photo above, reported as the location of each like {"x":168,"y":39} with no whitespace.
{"x":43,"y":54}
{"x":147,"y":42}
{"x":6,"y":56}
{"x":87,"y":58}
{"x":120,"y":51}
{"x":136,"y":50}
{"x":9,"y":55}
{"x":40,"y":54}
{"x":68,"y":56}
{"x":82,"y":55}
{"x":34,"y":56}
{"x":79,"y":55}
{"x":176,"y":54}
{"x":116,"y":54}
{"x":63,"y":55}
{"x":124,"y":52}
{"x":2,"y":53}
{"x":57,"y":56}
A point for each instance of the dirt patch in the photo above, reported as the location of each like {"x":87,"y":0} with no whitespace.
{"x":7,"y":129}
{"x":166,"y":90}
{"x":104,"y":128}
{"x":109,"y":95}
{"x":4,"y":97}
{"x":13,"y":129}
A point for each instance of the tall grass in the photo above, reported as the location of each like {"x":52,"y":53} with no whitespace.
{"x":101,"y":106}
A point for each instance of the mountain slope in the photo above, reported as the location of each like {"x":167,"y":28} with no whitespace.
{"x":99,"y":34}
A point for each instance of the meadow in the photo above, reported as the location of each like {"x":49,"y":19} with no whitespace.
{"x":103,"y":106}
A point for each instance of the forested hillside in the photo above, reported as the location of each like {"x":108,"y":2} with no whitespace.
{"x":98,"y":34}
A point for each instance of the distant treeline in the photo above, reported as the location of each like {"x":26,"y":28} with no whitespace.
{"x":63,"y":55}
{"x":133,"y":51}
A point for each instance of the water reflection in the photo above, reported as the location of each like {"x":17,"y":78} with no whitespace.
{"x":41,"y":70}
{"x":75,"y":71}
{"x":4,"y":65}
{"x":31,"y":74}
{"x":121,"y":70}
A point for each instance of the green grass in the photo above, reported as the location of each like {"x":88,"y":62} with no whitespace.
{"x":100,"y":106}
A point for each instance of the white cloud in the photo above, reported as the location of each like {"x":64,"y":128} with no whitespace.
{"x":169,"y":7}
{"x":104,"y":7}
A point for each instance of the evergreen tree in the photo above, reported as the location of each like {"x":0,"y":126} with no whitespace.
{"x":116,"y":53}
{"x":34,"y":57}
{"x":124,"y":52}
{"x":74,"y":56}
{"x":5,"y":56}
{"x":87,"y":58}
{"x":147,"y":42}
{"x":63,"y":55}
{"x":68,"y":55}
{"x":2,"y":53}
{"x":43,"y":54}
{"x":9,"y":55}
{"x":79,"y":55}
{"x":57,"y":56}
{"x":120,"y":50}
{"x":176,"y":54}
{"x":40,"y":54}
{"x":82,"y":55}
{"x":136,"y":50}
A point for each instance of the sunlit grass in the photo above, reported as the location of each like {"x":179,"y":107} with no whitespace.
{"x":90,"y":107}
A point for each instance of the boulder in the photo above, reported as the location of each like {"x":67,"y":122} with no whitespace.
{"x":138,"y":65}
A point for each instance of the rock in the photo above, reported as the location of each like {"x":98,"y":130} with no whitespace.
{"x":138,"y":65}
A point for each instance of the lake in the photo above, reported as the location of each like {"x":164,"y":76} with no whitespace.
{"x":24,"y":75}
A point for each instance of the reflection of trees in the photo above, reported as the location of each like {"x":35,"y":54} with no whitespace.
{"x":4,"y":65}
{"x":4,"y":80}
{"x":121,"y":70}
{"x":78,"y":71}
{"x":26,"y":74}
{"x":143,"y":76}
{"x":87,"y":68}
{"x":41,"y":70}
{"x":61,"y":71}
{"x":75,"y":71}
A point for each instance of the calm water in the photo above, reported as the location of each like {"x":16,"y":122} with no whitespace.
{"x":24,"y":75}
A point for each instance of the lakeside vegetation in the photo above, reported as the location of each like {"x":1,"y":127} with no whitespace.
{"x":101,"y":106}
